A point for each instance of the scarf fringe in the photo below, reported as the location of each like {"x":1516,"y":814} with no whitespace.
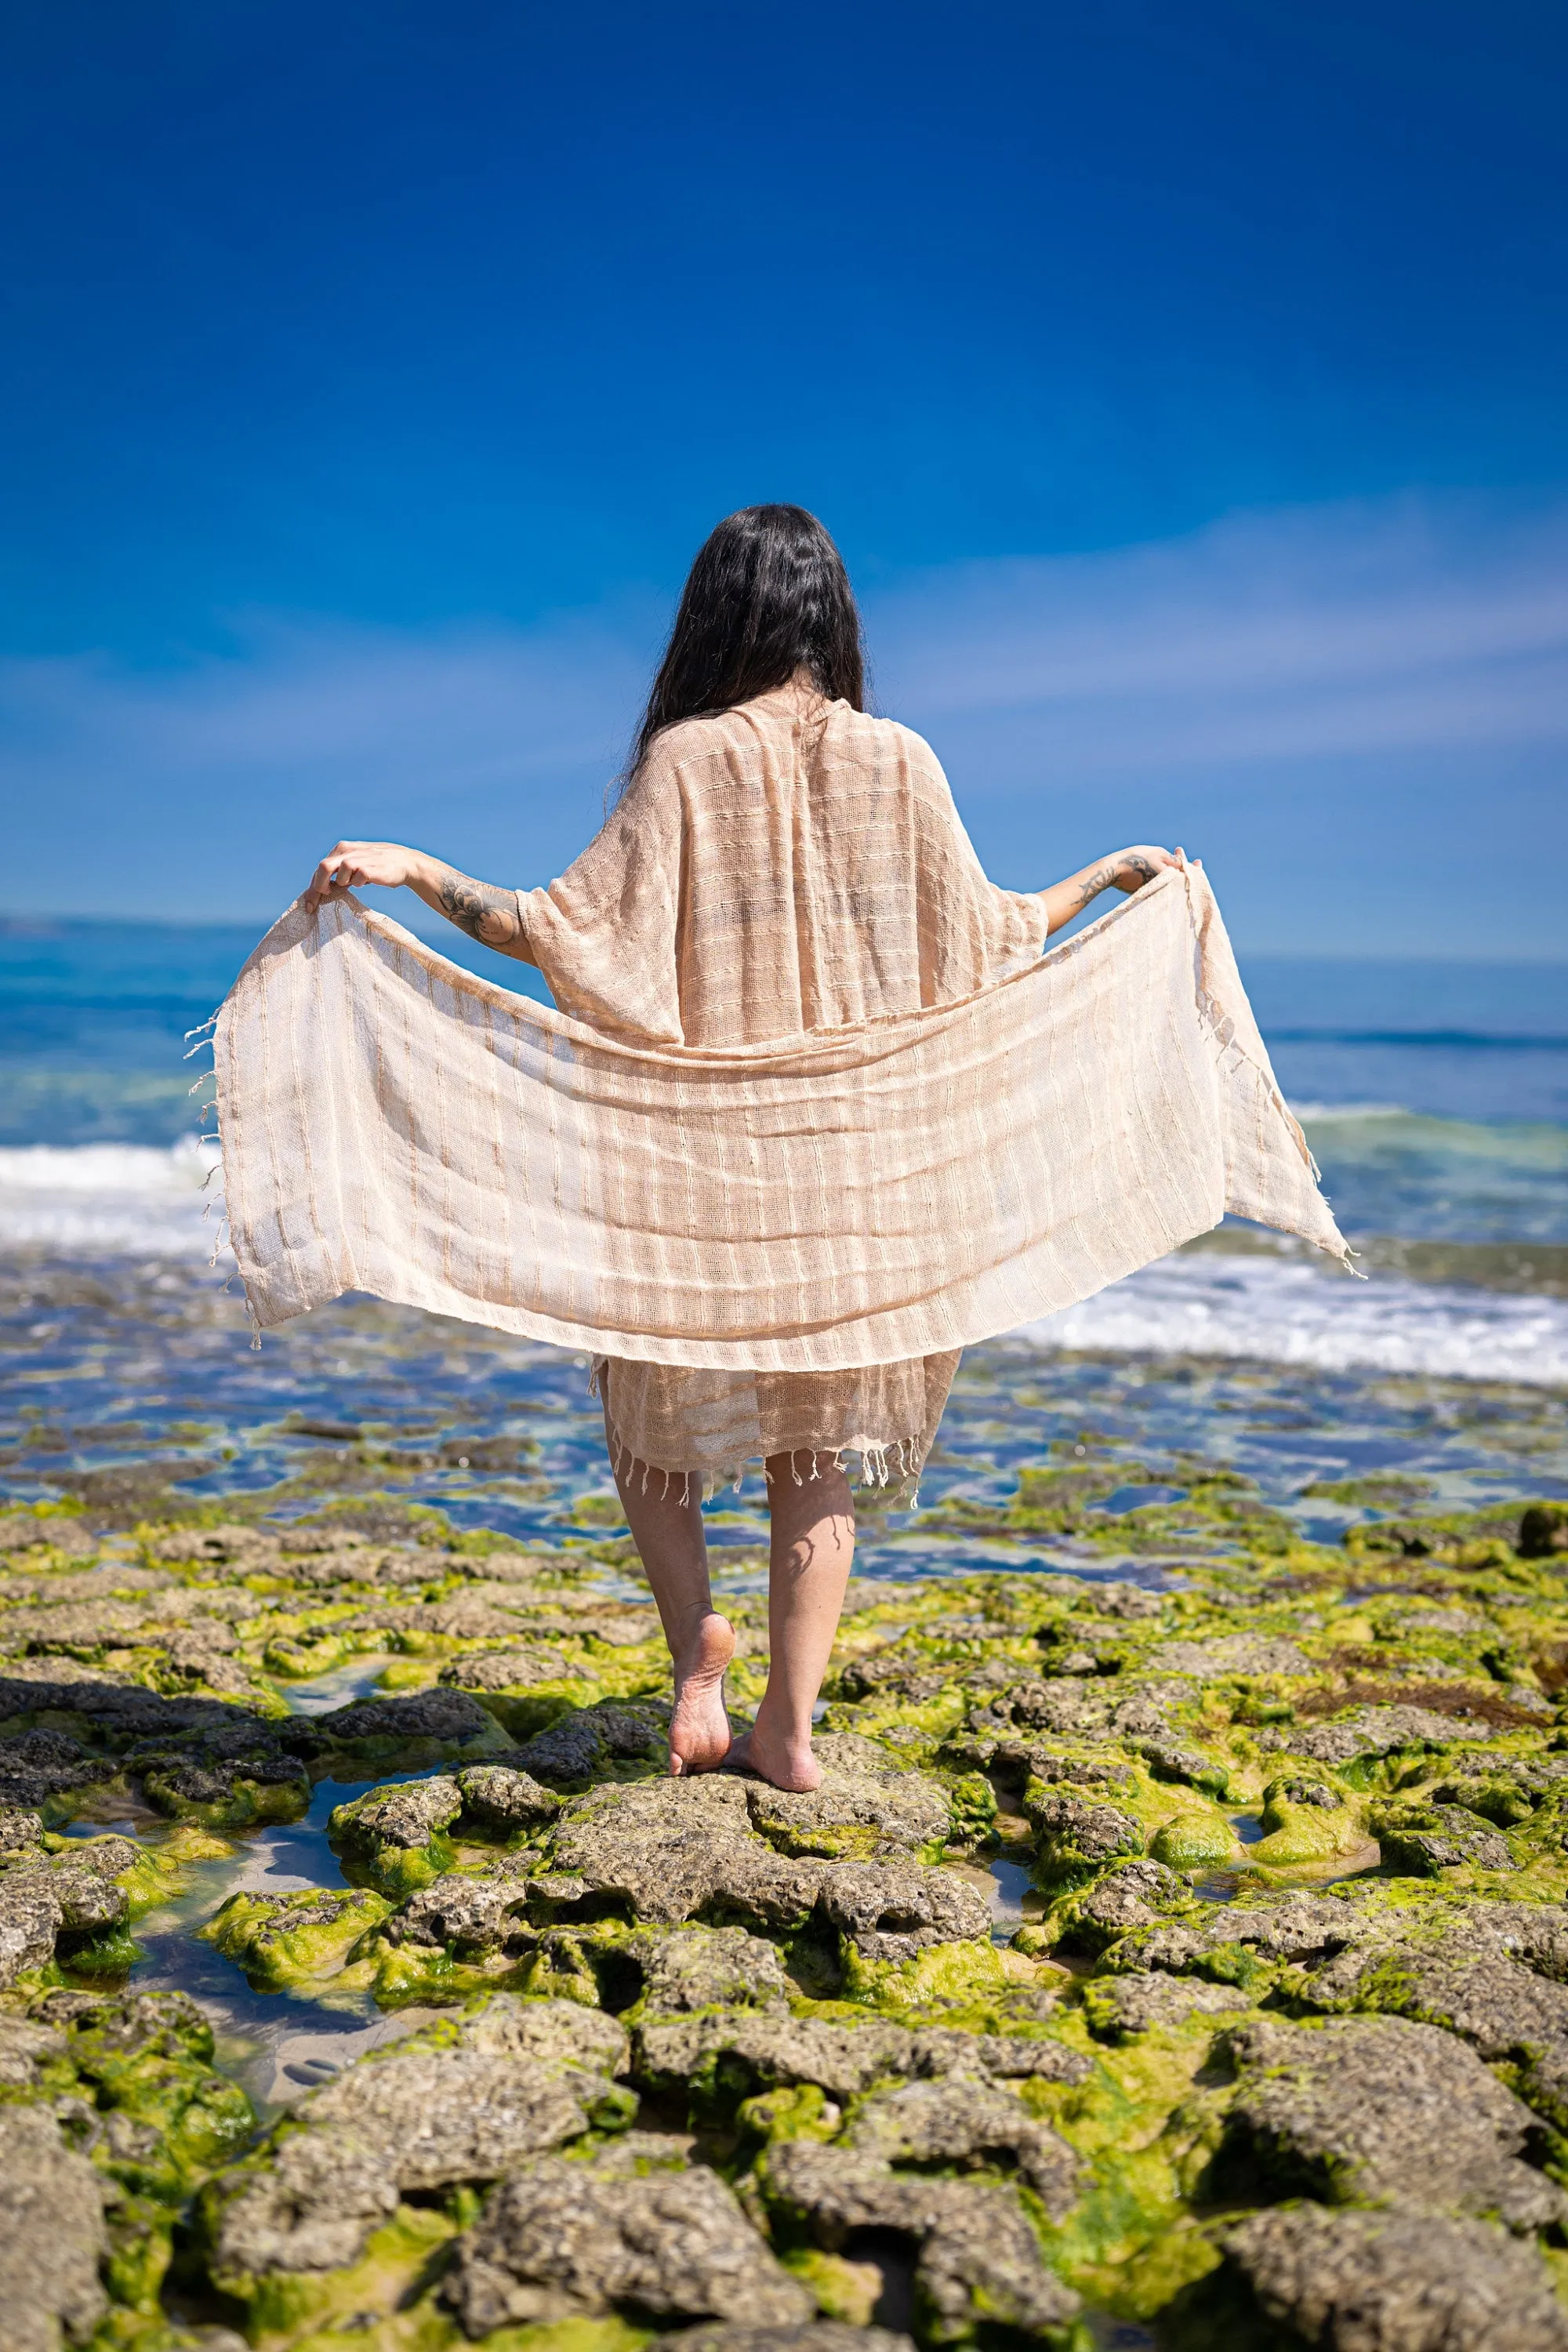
{"x":896,"y":1465}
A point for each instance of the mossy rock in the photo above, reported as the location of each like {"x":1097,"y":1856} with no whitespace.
{"x":316,"y":2308}
{"x":149,"y":2058}
{"x":288,"y":1943}
{"x":393,"y":1837}
{"x":225,"y":1801}
{"x":1299,"y":1834}
{"x":1194,"y":1840}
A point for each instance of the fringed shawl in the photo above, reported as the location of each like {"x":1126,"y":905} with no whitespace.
{"x":892,"y":1188}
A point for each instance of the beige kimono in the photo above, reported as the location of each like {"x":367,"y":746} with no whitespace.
{"x":790,"y":867}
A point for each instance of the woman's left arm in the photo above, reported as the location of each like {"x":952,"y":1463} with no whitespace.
{"x":483,"y":910}
{"x":1124,"y":870}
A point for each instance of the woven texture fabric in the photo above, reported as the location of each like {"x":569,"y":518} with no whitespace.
{"x":789,"y":866}
{"x":860,"y":1196}
{"x":814,"y":1111}
{"x":786,"y":866}
{"x":710,"y":1425}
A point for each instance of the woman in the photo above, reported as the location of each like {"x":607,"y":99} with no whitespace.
{"x":746,"y":888}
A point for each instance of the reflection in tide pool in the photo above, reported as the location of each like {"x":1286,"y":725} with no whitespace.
{"x":278,"y":2044}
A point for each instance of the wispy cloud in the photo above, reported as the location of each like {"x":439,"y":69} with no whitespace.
{"x":1394,"y":633}
{"x":1346,"y":630}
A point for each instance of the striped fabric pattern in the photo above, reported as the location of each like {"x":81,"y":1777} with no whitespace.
{"x":850,"y":1197}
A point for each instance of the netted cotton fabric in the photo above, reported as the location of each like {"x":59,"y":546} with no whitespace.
{"x":790,"y":867}
{"x":786,"y":866}
{"x":731,"y":1162}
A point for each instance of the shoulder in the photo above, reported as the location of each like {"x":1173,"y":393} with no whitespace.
{"x":691,"y":744}
{"x":888,"y":745}
{"x":897,"y":750}
{"x":911,"y":749}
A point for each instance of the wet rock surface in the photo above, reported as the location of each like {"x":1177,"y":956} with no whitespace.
{"x":52,"y":2237}
{"x":503,"y":1798}
{"x":1143,"y":1944}
{"x":709,"y":1967}
{"x":892,"y":1910}
{"x":866,"y":1802}
{"x":585,"y":1741}
{"x":967,"y":2122}
{"x":671,"y":1849}
{"x":1142,"y":1999}
{"x":514,"y":2081}
{"x":977,"y":2253}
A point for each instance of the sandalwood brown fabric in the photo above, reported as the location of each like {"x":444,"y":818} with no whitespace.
{"x":790,"y":867}
{"x":815,"y":1104}
{"x":787,"y":867}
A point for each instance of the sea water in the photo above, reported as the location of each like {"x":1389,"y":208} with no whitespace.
{"x":1435,"y":1097}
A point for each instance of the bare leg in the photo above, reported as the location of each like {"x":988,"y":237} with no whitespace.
{"x":812,"y":1550}
{"x":666,"y":1521}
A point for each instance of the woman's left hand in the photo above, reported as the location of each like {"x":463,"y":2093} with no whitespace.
{"x":1131,"y":868}
{"x":352,"y":864}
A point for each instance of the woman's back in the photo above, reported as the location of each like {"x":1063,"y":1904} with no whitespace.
{"x":792,"y":865}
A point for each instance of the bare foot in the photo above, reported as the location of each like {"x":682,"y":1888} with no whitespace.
{"x":700,"y":1728}
{"x":785,"y":1763}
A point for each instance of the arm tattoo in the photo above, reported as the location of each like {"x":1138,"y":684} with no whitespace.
{"x":486,"y":913}
{"x":1094,"y":883}
{"x":1102,"y":878}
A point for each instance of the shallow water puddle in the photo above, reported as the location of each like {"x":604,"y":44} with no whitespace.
{"x":1015,"y":1898}
{"x":278,"y":2046}
{"x":355,"y":1678}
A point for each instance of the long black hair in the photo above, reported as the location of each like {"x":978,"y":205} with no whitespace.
{"x":768,"y":596}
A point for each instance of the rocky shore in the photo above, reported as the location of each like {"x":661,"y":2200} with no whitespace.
{"x":1187,"y":1954}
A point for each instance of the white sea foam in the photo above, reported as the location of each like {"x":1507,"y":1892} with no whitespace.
{"x":1288,"y":1310}
{"x":110,"y":1200}
{"x":1319,"y":1113}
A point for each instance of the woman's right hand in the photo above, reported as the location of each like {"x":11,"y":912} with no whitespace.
{"x":352,"y":864}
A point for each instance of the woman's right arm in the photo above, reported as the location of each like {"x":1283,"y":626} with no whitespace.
{"x":1124,"y":870}
{"x":483,"y":910}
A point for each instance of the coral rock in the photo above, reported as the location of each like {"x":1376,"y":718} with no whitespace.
{"x":672,"y":1848}
{"x":708,"y":1968}
{"x":979,"y":2258}
{"x":1398,"y":2283}
{"x":559,"y":2240}
{"x":890,"y":1910}
{"x":960,"y":2121}
{"x":52,"y":2237}
{"x":1376,"y":2108}
{"x":503,"y":1798}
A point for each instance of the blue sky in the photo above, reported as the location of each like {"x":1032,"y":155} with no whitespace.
{"x":1186,"y":388}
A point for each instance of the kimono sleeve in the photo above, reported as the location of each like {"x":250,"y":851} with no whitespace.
{"x":603,"y":935}
{"x":973,"y":931}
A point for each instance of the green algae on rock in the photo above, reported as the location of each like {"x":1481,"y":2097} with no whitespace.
{"x":288,"y":1943}
{"x":112,"y":2117}
{"x":796,"y":2029}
